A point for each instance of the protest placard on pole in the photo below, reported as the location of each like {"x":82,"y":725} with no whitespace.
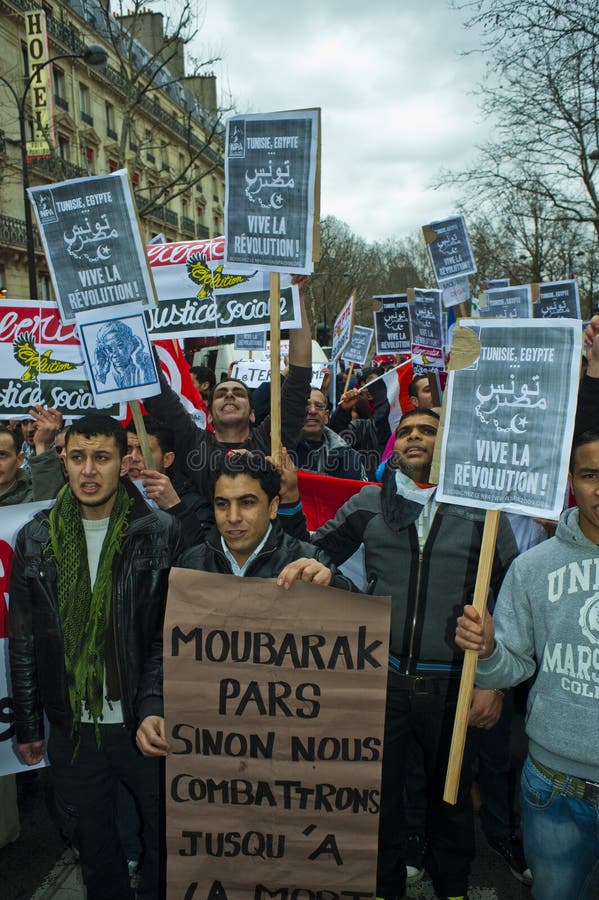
{"x":251,"y":340}
{"x":91,"y":238}
{"x":512,"y":302}
{"x":274,"y":704}
{"x":391,"y":317}
{"x":512,"y":382}
{"x":272,"y":207}
{"x":555,"y":300}
{"x":449,"y":249}
{"x":342,"y":328}
{"x":358,"y":348}
{"x":427,"y":329}
{"x":272,"y":191}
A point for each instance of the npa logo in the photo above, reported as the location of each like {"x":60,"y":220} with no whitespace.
{"x":6,"y":555}
{"x":44,"y":203}
{"x":589,"y":619}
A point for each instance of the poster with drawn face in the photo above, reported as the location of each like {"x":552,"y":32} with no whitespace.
{"x":92,"y":243}
{"x":118,"y":355}
{"x":509,"y":415}
{"x":270,"y":190}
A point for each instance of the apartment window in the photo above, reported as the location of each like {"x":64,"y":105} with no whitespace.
{"x":44,"y":285}
{"x":3,"y":290}
{"x":84,"y":104}
{"x":135,"y":179}
{"x":110,"y":122}
{"x":89,"y":160}
{"x":112,"y":165}
{"x":60,"y":90}
{"x":64,"y":147}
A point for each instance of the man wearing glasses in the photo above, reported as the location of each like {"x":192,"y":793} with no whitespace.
{"x":321,"y":449}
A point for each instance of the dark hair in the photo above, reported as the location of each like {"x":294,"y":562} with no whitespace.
{"x":253,"y":464}
{"x":13,"y":436}
{"x":413,"y":385}
{"x":367,"y":372}
{"x":164,"y":436}
{"x":585,"y":437}
{"x":320,"y":391}
{"x":94,"y":425}
{"x":418,"y":411}
{"x":236,"y":381}
{"x":203,"y":373}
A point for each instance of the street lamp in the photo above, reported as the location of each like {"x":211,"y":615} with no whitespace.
{"x":94,"y":55}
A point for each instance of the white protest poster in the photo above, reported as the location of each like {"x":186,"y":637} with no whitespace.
{"x":271,"y":190}
{"x":449,"y":249}
{"x":274,"y":710}
{"x":199,"y":294}
{"x":455,"y":291}
{"x":254,"y":372}
{"x":118,"y":356}
{"x":509,"y":415}
{"x":511,"y":302}
{"x":92,"y":243}
{"x":359,"y":345}
{"x":41,"y":361}
{"x":12,"y":519}
{"x":556,"y":300}
{"x":342,"y":328}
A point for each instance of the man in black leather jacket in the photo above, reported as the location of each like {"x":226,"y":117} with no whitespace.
{"x":88,"y":590}
{"x":247,"y":540}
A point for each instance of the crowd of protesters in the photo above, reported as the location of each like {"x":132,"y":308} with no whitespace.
{"x":89,"y":587}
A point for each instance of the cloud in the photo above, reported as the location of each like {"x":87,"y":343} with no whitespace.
{"x":395,"y":96}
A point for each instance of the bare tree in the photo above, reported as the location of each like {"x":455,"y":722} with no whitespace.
{"x":541,"y":98}
{"x":149,"y":50}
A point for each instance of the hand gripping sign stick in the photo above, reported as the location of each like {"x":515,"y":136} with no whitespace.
{"x":460,"y":725}
{"x":275,"y":366}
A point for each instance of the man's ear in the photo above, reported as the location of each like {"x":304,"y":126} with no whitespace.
{"x":273,"y":508}
{"x":252,"y":417}
{"x":168,"y":459}
{"x":209,"y":418}
{"x":125,"y":463}
{"x":20,"y":458}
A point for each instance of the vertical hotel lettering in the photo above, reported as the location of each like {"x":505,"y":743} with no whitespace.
{"x":41,"y":91}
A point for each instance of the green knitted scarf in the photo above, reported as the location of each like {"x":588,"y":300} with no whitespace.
{"x":84,"y":613}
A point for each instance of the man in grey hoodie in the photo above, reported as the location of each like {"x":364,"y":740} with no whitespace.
{"x":547,"y":625}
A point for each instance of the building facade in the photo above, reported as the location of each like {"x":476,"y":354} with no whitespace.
{"x":138,"y":111}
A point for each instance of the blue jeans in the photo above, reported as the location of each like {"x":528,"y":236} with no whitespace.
{"x":561,"y":840}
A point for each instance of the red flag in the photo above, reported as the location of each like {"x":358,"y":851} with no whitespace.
{"x":176,"y":368}
{"x":322,"y":495}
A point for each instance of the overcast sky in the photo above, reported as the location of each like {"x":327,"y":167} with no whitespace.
{"x":394,"y":91}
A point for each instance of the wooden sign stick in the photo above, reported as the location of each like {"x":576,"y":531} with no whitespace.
{"x":275,"y":366}
{"x":460,"y":725}
{"x":350,"y":372}
{"x":142,"y":434}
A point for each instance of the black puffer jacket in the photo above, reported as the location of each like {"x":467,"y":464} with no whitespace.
{"x":279,"y":550}
{"x":152,"y":543}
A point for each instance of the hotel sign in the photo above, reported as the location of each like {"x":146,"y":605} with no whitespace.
{"x":40,"y":89}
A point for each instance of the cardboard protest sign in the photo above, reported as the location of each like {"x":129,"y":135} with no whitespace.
{"x":271,"y":190}
{"x":118,"y":356}
{"x":359,"y":345}
{"x":41,"y":362}
{"x":200,"y":295}
{"x":251,"y":340}
{"x":12,"y":519}
{"x":512,"y":302}
{"x":342,"y":328}
{"x":516,"y":385}
{"x":449,"y":248}
{"x":556,"y":300}
{"x":391,"y":324}
{"x":274,"y":705}
{"x":427,"y":329}
{"x":91,"y":238}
